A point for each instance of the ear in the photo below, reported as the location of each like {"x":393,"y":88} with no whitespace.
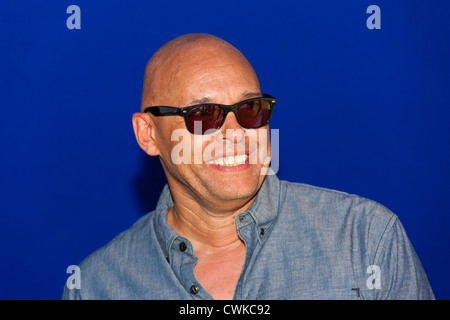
{"x":145,"y":132}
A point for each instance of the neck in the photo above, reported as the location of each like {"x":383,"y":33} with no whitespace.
{"x":209,"y":232}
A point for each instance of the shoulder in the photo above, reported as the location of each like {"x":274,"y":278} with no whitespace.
{"x":123,"y":245}
{"x":101,"y":272}
{"x":320,"y":200}
{"x":337,"y":212}
{"x":362,"y":231}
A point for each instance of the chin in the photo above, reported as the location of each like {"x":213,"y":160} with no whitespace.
{"x":235,"y":188}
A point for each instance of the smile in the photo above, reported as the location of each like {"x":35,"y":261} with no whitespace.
{"x":230,"y":161}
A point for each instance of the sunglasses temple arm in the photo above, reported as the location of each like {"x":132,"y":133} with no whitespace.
{"x":163,"y":111}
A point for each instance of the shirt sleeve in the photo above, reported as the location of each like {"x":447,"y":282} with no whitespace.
{"x":400,"y":273}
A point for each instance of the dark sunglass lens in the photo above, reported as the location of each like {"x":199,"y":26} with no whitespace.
{"x":254,"y":113}
{"x":210,"y":117}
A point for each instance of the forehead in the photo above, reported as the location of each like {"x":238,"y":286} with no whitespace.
{"x":206,"y":73}
{"x":213,"y":83}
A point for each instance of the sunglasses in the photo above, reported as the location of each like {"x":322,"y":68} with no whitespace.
{"x":250,"y":114}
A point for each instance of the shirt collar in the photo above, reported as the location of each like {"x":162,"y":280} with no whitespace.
{"x":266,"y":206}
{"x":264,"y":210}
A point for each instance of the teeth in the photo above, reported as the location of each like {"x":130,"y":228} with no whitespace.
{"x":230,"y":161}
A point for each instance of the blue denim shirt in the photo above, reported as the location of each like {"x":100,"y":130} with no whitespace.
{"x":302,"y":242}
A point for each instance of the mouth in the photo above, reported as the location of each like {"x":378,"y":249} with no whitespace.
{"x":232,"y":161}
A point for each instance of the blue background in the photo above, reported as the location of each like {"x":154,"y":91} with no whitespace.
{"x":362,"y":111}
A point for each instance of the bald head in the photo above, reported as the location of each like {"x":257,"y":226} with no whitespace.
{"x":179,"y":70}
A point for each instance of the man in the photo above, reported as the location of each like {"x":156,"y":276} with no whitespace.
{"x":223,"y":228}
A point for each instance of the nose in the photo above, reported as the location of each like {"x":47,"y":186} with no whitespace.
{"x":231,"y":129}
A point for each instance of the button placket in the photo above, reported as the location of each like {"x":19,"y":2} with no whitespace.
{"x":246,"y":228}
{"x":183,"y":261}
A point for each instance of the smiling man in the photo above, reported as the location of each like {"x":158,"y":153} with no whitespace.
{"x":223,"y":228}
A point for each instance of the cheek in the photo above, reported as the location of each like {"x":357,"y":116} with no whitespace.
{"x":172,"y":140}
{"x":182,"y":147}
{"x":262,"y":136}
{"x":199,"y":144}
{"x":264,"y":141}
{"x":260,"y":149}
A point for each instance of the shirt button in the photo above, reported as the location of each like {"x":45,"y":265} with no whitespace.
{"x":194,"y":289}
{"x":242,"y":218}
{"x":183,"y":246}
